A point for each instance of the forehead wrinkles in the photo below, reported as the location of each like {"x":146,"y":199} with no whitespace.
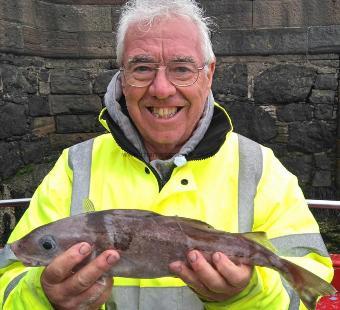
{"x":172,"y":38}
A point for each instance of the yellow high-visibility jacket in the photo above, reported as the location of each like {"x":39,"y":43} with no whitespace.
{"x":231,"y":183}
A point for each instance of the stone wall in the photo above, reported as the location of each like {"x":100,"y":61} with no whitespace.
{"x":277,"y":73}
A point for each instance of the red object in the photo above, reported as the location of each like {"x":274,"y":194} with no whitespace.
{"x":332,"y":302}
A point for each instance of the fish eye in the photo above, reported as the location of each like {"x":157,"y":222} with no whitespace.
{"x":48,"y":243}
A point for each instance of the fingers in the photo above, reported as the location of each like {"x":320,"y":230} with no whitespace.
{"x":68,"y":290}
{"x":89,"y":274}
{"x":237,"y":276}
{"x":92,"y":298}
{"x":217,"y":282}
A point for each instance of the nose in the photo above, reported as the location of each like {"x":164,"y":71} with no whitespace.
{"x":161,"y":87}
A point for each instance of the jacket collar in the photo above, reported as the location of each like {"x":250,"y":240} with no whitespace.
{"x":209,"y":145}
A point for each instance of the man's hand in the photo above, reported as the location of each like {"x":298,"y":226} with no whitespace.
{"x":217,"y":282}
{"x":84,"y":289}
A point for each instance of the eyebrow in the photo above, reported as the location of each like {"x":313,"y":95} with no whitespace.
{"x":183,"y":59}
{"x":141,"y":58}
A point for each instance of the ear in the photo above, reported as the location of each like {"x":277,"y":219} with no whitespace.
{"x":123,"y":83}
{"x":210,"y":73}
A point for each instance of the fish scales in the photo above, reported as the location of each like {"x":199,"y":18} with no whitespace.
{"x":148,"y":242}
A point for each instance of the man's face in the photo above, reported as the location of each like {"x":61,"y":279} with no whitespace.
{"x":165,"y":114}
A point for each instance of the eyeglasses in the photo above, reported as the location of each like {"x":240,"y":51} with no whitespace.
{"x":142,"y":74}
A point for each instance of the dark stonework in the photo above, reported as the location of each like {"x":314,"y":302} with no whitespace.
{"x":322,"y":179}
{"x":324,"y":39}
{"x":38,"y":106}
{"x":251,"y":121}
{"x":322,"y":161}
{"x":322,"y":96}
{"x":260,"y":41}
{"x":283,"y":84}
{"x":300,"y":165}
{"x":75,"y":104}
{"x":77,"y":123}
{"x":70,"y":82}
{"x":34,"y":151}
{"x":13,"y":120}
{"x":310,"y":137}
{"x":15,"y":84}
{"x":231,"y":79}
{"x":295,"y":112}
{"x":324,"y":112}
{"x":102,"y":81}
{"x":326,"y":81}
{"x":10,"y":159}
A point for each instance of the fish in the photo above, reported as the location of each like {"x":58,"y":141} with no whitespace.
{"x":148,"y":242}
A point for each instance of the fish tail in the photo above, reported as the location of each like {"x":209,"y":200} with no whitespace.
{"x":308,"y":285}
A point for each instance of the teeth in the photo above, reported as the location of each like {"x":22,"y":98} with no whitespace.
{"x":163,"y":112}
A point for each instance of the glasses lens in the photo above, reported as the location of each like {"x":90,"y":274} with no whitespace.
{"x":140,"y":74}
{"x":182,"y":73}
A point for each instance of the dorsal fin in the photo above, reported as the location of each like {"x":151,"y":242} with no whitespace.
{"x":88,"y":206}
{"x":261,"y":238}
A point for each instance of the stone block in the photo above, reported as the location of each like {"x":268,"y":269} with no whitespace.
{"x":260,"y":42}
{"x":322,"y":179}
{"x":321,"y":13}
{"x":62,"y":141}
{"x":96,"y":44}
{"x":252,"y":121}
{"x":11,"y":37}
{"x":229,"y":14}
{"x":295,"y":112}
{"x":310,"y":137}
{"x":16,"y":81}
{"x":278,"y":13}
{"x":77,"y":123}
{"x":231,"y":79}
{"x":73,"y":18}
{"x":88,"y":2}
{"x":322,"y":161}
{"x":322,"y":96}
{"x":44,"y":88}
{"x":326,"y":82}
{"x":38,"y":106}
{"x":324,"y":112}
{"x":34,"y":151}
{"x":324,"y":39}
{"x":102,"y":80}
{"x":70,"y":82}
{"x":13,"y":120}
{"x":75,"y":104}
{"x":284,"y":84}
{"x":50,"y":43}
{"x":10,"y":159}
{"x":18,"y":11}
{"x":299,"y":165}
{"x":42,"y":126}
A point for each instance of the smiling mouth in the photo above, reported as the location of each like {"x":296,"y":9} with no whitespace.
{"x":164,"y":113}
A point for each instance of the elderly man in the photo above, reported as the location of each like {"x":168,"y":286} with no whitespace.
{"x":169,"y":149}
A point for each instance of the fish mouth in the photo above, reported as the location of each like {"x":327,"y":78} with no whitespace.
{"x":27,"y":261}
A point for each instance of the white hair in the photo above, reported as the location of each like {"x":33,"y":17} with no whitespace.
{"x":146,"y":11}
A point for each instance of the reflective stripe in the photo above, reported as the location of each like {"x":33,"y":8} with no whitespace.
{"x":11,"y":286}
{"x":250,"y":172}
{"x":7,"y":256}
{"x":294,"y":298}
{"x":155,"y":298}
{"x":80,"y":159}
{"x":300,"y":245}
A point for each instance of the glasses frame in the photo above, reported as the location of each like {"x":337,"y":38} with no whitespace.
{"x":160,"y":67}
